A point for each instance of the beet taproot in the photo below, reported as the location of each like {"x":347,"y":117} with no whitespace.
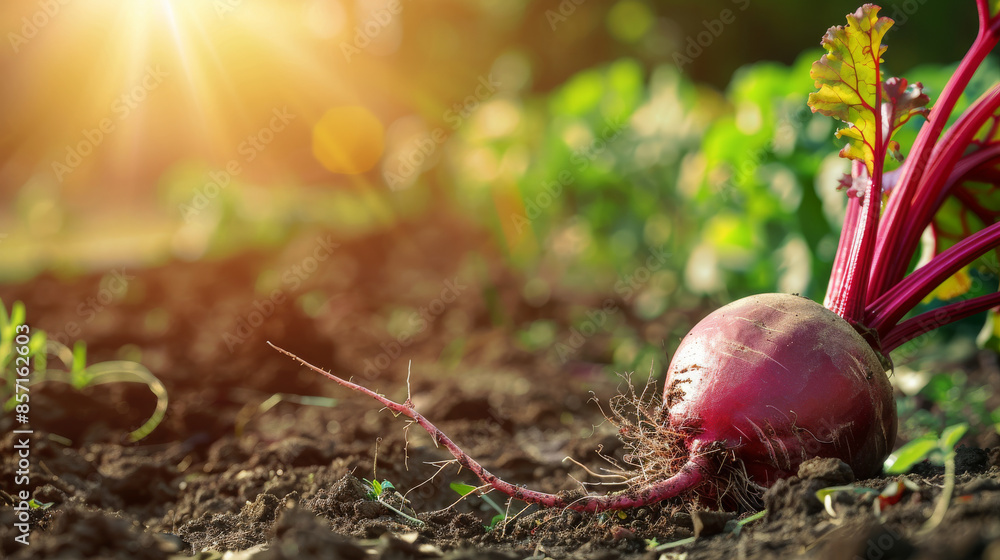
{"x":779,"y":379}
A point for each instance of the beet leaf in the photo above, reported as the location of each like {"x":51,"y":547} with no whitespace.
{"x":946,"y":190}
{"x":850,"y":89}
{"x":848,"y":79}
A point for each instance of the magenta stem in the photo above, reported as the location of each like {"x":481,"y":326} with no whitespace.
{"x":886,"y":312}
{"x":979,"y":160}
{"x":985,"y":21}
{"x":935,"y":185}
{"x":926,"y":322}
{"x":948,"y":153}
{"x":839,"y":272}
{"x":850,"y":301}
{"x":688,"y":477}
{"x":900,"y":232}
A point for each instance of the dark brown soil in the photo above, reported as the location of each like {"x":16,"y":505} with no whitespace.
{"x":221,"y":475}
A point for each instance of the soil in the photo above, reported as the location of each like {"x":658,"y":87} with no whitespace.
{"x":223,"y":473}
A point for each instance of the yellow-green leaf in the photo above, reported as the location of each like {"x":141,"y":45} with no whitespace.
{"x":462,"y":489}
{"x":910,"y":454}
{"x":849,"y":82}
{"x":951,"y":435}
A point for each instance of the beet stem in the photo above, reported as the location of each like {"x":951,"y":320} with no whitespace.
{"x":688,"y":477}
{"x":934,"y":185}
{"x":900,"y":231}
{"x":926,"y":322}
{"x":847,"y":233}
{"x":851,"y":303}
{"x":885,"y":312}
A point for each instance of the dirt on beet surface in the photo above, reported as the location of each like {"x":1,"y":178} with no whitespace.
{"x":235,"y":469}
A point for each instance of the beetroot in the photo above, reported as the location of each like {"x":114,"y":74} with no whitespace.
{"x":778,"y":379}
{"x":769,"y":381}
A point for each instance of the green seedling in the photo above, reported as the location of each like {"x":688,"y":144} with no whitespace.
{"x":675,"y":544}
{"x":946,"y":449}
{"x":14,"y":363}
{"x":77,"y":372}
{"x":36,"y":505}
{"x":936,"y":449}
{"x":81,"y":376}
{"x":466,"y":489}
{"x":740,"y":524}
{"x":376,"y":489}
{"x":377,"y":492}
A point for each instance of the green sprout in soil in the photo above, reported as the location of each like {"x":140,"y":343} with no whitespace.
{"x":8,"y":365}
{"x":36,"y":505}
{"x":377,"y":492}
{"x":938,"y":450}
{"x":77,"y":372}
{"x":931,"y":446}
{"x":466,"y":489}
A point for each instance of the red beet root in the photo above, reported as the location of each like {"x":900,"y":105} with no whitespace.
{"x":778,"y":379}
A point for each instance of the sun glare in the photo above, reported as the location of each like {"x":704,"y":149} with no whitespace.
{"x":121,"y":91}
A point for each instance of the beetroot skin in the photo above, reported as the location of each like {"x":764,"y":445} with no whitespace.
{"x":777,"y":379}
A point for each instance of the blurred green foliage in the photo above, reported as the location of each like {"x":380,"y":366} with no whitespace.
{"x":947,"y":399}
{"x":612,"y":168}
{"x":660,"y":192}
